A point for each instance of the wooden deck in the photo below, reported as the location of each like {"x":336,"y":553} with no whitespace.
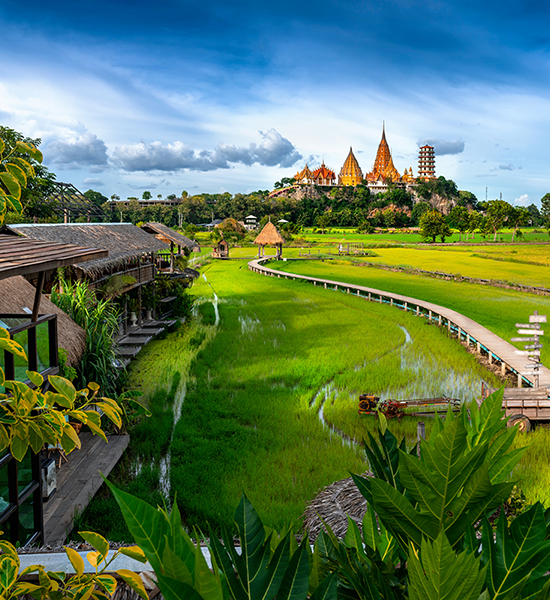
{"x":78,"y":480}
{"x":498,"y":350}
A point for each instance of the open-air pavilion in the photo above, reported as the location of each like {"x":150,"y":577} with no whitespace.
{"x":270,"y":236}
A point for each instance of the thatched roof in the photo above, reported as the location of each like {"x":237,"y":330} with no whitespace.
{"x":167,"y":235}
{"x":124,"y":241}
{"x":269,"y":236}
{"x":332,"y":504}
{"x":21,"y":256}
{"x":16,"y":294}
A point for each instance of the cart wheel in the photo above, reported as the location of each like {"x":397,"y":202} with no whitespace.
{"x":521,"y":422}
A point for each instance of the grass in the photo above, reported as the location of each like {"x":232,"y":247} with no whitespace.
{"x":247,"y":422}
{"x":496,"y":308}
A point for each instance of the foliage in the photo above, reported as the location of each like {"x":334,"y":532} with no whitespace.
{"x":165,"y":287}
{"x":459,"y":218}
{"x":58,"y":586}
{"x":444,"y":188}
{"x":433,"y":225}
{"x":17,"y":155}
{"x":99,"y":319}
{"x":545,"y":209}
{"x":498,"y":212}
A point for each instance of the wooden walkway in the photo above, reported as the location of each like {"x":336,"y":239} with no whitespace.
{"x":468,"y":330}
{"x":78,"y":480}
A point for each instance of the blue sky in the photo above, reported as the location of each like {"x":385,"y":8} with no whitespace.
{"x":217,"y":96}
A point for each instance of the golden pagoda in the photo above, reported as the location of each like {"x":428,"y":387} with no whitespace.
{"x":384,"y":169}
{"x":351,"y":173}
{"x":304,"y":176}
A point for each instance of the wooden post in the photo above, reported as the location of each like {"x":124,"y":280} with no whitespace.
{"x":391,"y":301}
{"x":519,"y":380}
{"x":325,"y":286}
{"x":503,"y":368}
{"x":430,"y":315}
{"x":440,"y":320}
{"x":405,"y":308}
{"x":369,"y":297}
{"x":348,"y":290}
{"x":478,"y":348}
{"x":467,"y":339}
{"x":448,"y":325}
{"x":420,"y":434}
{"x":417,"y":310}
{"x":490,"y":357}
{"x":380,"y":298}
{"x":459,"y":334}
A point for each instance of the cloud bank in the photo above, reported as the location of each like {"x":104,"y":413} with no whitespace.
{"x":274,"y":150}
{"x":79,"y":150}
{"x":443,"y":147}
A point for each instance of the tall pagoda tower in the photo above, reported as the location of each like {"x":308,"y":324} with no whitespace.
{"x":350,"y":173}
{"x":383,"y":169}
{"x":426,"y":162}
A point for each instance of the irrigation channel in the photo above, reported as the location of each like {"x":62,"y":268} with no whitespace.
{"x":466,"y":329}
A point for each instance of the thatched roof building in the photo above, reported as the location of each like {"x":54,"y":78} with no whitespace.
{"x":17,"y":297}
{"x":169,"y":236}
{"x":124,"y":241}
{"x":332,"y":505}
{"x":270,"y":236}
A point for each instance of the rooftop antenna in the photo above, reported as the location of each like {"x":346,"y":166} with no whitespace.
{"x":485,"y":194}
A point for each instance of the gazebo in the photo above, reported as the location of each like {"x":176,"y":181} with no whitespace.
{"x":269,"y":236}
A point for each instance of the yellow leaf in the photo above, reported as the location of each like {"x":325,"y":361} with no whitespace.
{"x":97,"y":541}
{"x":134,"y":552}
{"x":92,"y":558}
{"x":134,"y":581}
{"x":75,"y":558}
{"x":108,"y":582}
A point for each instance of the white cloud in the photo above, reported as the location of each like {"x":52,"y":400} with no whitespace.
{"x":93,"y":181}
{"x":79,"y":150}
{"x":273,"y":150}
{"x":523,"y":200}
{"x":443,"y":147}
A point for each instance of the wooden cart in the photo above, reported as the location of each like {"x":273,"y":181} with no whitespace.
{"x":371,"y":405}
{"x":525,"y":406}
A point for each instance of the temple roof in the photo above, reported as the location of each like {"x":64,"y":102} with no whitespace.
{"x":305,"y":173}
{"x":351,"y":167}
{"x":383,"y":163}
{"x":324,"y":172}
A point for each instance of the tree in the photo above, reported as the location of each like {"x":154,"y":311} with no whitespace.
{"x":459,"y":218}
{"x":146,"y":195}
{"x":474,"y":222}
{"x":285,"y":182}
{"x":534,"y":215}
{"x":418,"y":210}
{"x":323,"y":221}
{"x":433,"y":225}
{"x":24,"y":178}
{"x":545,"y":210}
{"x":467,"y":200}
{"x":498,"y":212}
{"x":517,"y":217}
{"x":96,"y":197}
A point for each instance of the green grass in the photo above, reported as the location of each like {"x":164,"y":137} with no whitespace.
{"x":247,"y":424}
{"x":496,"y":308}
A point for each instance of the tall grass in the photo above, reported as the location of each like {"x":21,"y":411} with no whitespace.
{"x":99,"y":319}
{"x":495,"y":308}
{"x":247,"y":422}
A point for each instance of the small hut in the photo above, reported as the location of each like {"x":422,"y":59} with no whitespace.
{"x":270,"y":236}
{"x":183,"y":244}
{"x":332,"y":505}
{"x":221,"y":250}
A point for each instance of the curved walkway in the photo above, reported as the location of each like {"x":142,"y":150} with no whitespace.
{"x":487,"y":342}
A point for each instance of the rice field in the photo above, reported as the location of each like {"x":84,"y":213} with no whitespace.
{"x":251,"y":416}
{"x":496,"y":308}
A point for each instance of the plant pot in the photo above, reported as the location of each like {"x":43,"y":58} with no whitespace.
{"x":133,"y":319}
{"x":148,"y":315}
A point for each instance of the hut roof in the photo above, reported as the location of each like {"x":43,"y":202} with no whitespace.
{"x":17,"y":294}
{"x":269,"y":236}
{"x":167,"y":235}
{"x":124,"y":241}
{"x":332,"y":505}
{"x":19,"y":256}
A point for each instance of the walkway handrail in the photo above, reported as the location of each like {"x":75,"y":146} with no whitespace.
{"x":466,"y":329}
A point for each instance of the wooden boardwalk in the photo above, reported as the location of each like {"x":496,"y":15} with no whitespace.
{"x":497,"y":349}
{"x":78,"y":480}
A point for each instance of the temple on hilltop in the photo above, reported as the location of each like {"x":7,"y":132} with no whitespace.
{"x":382,"y":175}
{"x":384,"y":170}
{"x":321,"y":176}
{"x":350,"y":173}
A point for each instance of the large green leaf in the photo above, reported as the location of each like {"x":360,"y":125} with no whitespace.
{"x":295,"y":582}
{"x":516,"y":555}
{"x":11,"y":184}
{"x":147,"y":525}
{"x":441,"y":574}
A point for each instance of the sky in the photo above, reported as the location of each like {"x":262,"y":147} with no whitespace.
{"x":217,"y":96}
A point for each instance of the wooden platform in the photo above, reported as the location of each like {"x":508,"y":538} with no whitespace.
{"x":78,"y":480}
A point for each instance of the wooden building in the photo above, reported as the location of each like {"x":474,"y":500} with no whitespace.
{"x":22,"y":306}
{"x":179,"y":244}
{"x":221,"y":250}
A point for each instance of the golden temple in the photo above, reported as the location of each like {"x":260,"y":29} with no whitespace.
{"x":382,"y":174}
{"x":351,"y":173}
